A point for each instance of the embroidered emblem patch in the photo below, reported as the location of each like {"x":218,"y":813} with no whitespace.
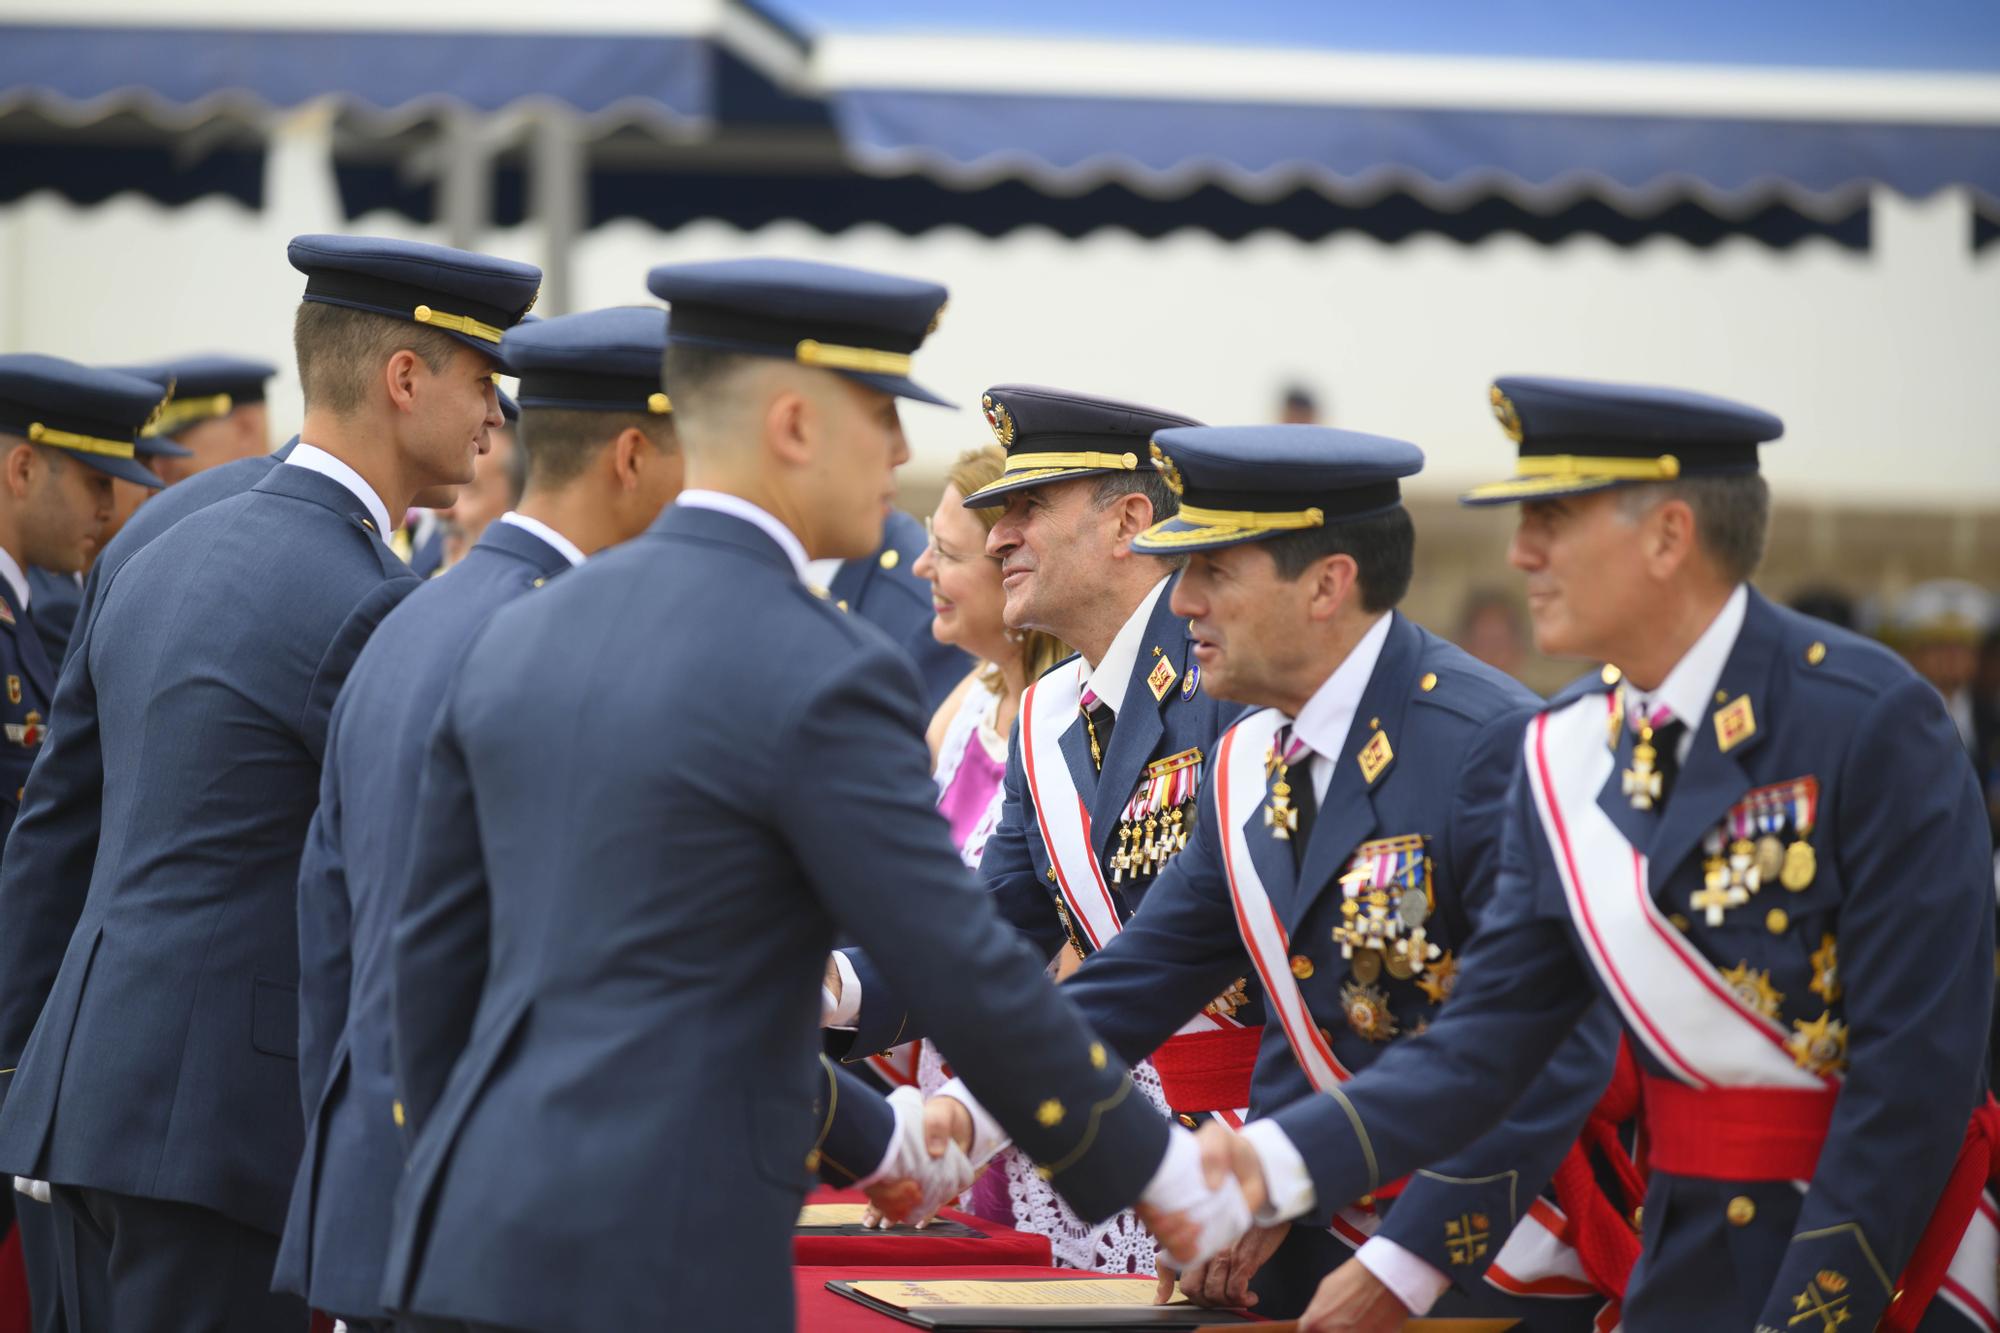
{"x":1735,"y":723}
{"x":1375,"y":756}
{"x":1161,"y":679}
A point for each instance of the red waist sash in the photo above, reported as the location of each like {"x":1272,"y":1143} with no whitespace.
{"x":1777,"y":1133}
{"x":1208,"y":1071}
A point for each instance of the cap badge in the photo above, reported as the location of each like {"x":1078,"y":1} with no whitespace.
{"x":1000,"y":420}
{"x":1165,"y":467}
{"x":1503,"y":409}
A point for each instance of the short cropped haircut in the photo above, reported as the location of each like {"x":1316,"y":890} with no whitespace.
{"x":561,"y":441}
{"x":1732,"y":515}
{"x":695,"y":375}
{"x":340,"y":349}
{"x":1383,"y":547}
{"x":1115,"y":486}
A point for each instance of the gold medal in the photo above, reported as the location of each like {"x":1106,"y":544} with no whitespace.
{"x":1399,"y":965}
{"x":1367,"y":1011}
{"x":1801,"y":865}
{"x":1366,"y":966}
{"x":1770,"y":857}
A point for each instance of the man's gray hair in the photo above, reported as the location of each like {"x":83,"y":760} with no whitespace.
{"x":1732,"y":515}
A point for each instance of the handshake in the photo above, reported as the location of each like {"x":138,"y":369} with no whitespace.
{"x":1199,"y":1202}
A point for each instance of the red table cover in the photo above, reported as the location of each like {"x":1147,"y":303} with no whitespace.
{"x":916,"y":1249}
{"x":821,"y":1311}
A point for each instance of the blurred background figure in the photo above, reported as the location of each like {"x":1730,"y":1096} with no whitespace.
{"x":497,"y":479}
{"x":1493,"y":628}
{"x":1298,"y":407}
{"x":1938,"y":626}
{"x":1828,"y":603}
{"x":216,"y":415}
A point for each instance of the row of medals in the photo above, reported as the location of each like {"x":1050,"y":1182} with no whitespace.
{"x":1746,"y":867}
{"x":1144,"y":848}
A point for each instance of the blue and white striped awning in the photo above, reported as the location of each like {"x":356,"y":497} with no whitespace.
{"x":178,"y":63}
{"x":1734,"y":106}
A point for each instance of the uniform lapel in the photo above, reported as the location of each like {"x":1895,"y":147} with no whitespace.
{"x":28,"y":646}
{"x":1140,"y":724}
{"x":1346,"y":816}
{"x":1075,"y":746}
{"x":1713,"y":778}
{"x":1638,"y":826}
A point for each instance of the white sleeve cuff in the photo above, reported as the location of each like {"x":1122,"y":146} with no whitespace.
{"x":909,"y":1112}
{"x":987,"y":1136}
{"x":1409,"y":1279}
{"x":1288,"y":1186}
{"x":843,"y":1012}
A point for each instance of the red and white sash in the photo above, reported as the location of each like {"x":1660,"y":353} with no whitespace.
{"x":1535,"y":1261}
{"x":1673,"y":999}
{"x":1048,"y":709}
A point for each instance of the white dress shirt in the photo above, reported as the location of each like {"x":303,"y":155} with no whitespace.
{"x":738,"y":507}
{"x":17,"y":582}
{"x":315,"y":459}
{"x":564,"y":546}
{"x":1690,"y":686}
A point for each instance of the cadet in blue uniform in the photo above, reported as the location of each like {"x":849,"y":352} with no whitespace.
{"x":216,"y":416}
{"x":1362,"y":850}
{"x":1111,"y":745}
{"x":883,"y":588}
{"x":54,"y":514}
{"x":158,"y":1090}
{"x":602,"y":461}
{"x":1755,"y":834}
{"x":626,"y":1136}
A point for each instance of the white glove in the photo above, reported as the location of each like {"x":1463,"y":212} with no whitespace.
{"x":941,"y":1178}
{"x":38,"y":1190}
{"x":1179,"y":1186}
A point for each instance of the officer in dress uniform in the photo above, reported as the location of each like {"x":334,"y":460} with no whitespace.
{"x":659,"y":931}
{"x":883,"y":588}
{"x":216,"y":416}
{"x":1112,"y":743}
{"x":1365,"y":806}
{"x":602,"y":462}
{"x":158,"y":1089}
{"x":55,"y":525}
{"x":1755,"y":834}
{"x":421,"y":541}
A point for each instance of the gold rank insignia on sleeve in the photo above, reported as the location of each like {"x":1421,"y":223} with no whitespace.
{"x":1466,"y":1238}
{"x":1824,"y":1299}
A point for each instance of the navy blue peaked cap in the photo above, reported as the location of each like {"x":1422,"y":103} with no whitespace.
{"x":203,"y":388}
{"x":863,"y":325}
{"x":1054,"y":434}
{"x":599,"y":360}
{"x":1578,"y":436}
{"x":475,"y":298}
{"x":1250,"y":483}
{"x":91,"y":413}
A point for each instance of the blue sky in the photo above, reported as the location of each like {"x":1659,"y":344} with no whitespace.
{"x":1874,"y":34}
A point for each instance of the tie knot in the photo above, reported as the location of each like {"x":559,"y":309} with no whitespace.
{"x":1645,"y":716}
{"x":1291,"y":747}
{"x":1091,"y":703}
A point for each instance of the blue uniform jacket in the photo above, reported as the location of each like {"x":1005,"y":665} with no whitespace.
{"x":1016,"y":862}
{"x":56,"y":598}
{"x":885,"y":589}
{"x":1454,"y":727}
{"x":30,"y":685}
{"x":650,"y":834}
{"x":355,"y":849}
{"x":178,"y":786}
{"x":164,"y":510}
{"x":1904,"y":889}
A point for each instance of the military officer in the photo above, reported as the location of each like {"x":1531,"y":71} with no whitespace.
{"x":1755,"y":834}
{"x":882,"y":587}
{"x":1345,"y":841}
{"x":657,"y":932}
{"x":421,"y":541}
{"x":1112,"y":743}
{"x":602,"y":461}
{"x":158,"y":1089}
{"x":217,"y":414}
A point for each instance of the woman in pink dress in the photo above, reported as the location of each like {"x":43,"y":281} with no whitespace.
{"x":969,"y":758}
